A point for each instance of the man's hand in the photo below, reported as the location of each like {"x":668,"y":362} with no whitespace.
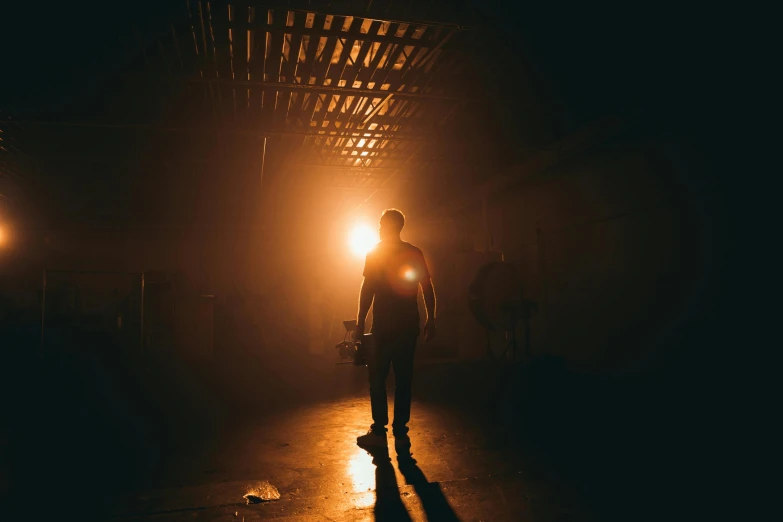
{"x":429,"y":330}
{"x":358,"y":332}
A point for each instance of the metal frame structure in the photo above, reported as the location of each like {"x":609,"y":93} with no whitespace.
{"x":358,"y":92}
{"x":374,"y":90}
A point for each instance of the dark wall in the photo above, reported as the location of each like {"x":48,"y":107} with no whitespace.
{"x":614,"y":245}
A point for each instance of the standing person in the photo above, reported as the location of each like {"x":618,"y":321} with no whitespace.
{"x":393,"y":272}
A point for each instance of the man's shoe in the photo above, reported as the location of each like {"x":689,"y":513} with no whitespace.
{"x":372,"y":440}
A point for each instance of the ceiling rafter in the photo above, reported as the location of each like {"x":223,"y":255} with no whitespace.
{"x":354,"y":83}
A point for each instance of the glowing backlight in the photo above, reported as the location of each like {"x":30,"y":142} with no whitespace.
{"x":362,"y":239}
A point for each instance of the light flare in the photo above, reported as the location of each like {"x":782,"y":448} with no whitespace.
{"x":362,"y":240}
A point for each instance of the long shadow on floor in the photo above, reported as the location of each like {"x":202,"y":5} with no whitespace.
{"x":388,"y":503}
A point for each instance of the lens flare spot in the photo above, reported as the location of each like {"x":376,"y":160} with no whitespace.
{"x":407,"y":273}
{"x":362,"y":240}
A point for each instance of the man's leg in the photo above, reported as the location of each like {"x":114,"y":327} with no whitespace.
{"x":378,"y":364}
{"x":403,"y":377}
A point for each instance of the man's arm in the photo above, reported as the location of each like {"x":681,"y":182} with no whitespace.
{"x":428,"y":292}
{"x":366,"y":295}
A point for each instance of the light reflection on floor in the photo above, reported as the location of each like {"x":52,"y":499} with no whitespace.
{"x":362,"y":473}
{"x":309,"y":454}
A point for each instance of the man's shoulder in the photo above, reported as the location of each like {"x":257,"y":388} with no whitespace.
{"x":384,"y":251}
{"x":375,"y":249}
{"x":412,"y":247}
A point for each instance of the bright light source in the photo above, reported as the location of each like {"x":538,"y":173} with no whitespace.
{"x":409,"y":274}
{"x":2,"y":236}
{"x":362,"y":239}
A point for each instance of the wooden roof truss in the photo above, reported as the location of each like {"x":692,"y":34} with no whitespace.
{"x":364,"y":95}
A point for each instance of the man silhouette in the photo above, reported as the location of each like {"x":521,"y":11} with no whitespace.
{"x":393,"y":272}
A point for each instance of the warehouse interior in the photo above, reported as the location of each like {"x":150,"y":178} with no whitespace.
{"x":187,"y":192}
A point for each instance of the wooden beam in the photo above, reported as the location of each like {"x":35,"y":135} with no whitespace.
{"x":272,"y":70}
{"x":377,"y":108}
{"x":239,"y":55}
{"x":338,"y":167}
{"x":330,"y":89}
{"x":212,"y":129}
{"x":222,"y":56}
{"x":256,"y":64}
{"x":394,"y":12}
{"x":317,"y":32}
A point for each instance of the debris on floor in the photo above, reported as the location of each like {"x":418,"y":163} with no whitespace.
{"x":261,"y":492}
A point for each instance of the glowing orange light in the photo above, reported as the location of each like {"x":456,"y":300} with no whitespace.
{"x":362,"y":239}
{"x":407,"y":272}
{"x":2,"y":236}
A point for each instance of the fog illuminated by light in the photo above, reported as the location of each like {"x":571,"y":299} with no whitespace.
{"x":362,"y":239}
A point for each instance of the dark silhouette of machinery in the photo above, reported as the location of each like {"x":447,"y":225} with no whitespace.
{"x":496,"y":301}
{"x":350,"y":350}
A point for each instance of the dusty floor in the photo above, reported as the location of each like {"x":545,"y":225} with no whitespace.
{"x":491,"y":441}
{"x":309,"y":454}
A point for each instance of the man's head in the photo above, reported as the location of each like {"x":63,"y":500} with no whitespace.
{"x":392,"y":221}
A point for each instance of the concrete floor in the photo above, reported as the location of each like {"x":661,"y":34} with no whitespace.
{"x":309,"y":453}
{"x":491,"y":441}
